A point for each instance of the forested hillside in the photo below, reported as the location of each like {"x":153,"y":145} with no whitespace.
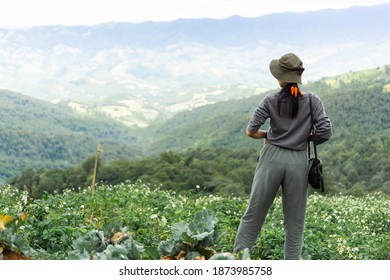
{"x":37,"y":134}
{"x":357,"y":156}
{"x":208,"y":147}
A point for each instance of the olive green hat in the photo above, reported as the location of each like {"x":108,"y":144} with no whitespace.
{"x":287,"y":68}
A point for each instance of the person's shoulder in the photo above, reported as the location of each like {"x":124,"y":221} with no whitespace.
{"x":271,"y":96}
{"x":314,"y":97}
{"x":316,"y":101}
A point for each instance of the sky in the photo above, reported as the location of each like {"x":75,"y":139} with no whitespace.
{"x":27,"y":13}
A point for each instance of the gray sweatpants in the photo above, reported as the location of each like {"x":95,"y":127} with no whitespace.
{"x":277,"y":166}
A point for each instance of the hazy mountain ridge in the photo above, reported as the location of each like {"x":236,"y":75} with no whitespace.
{"x":160,"y":68}
{"x":230,"y":32}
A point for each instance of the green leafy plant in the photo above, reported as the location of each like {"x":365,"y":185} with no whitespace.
{"x":96,"y":246}
{"x":192,"y":241}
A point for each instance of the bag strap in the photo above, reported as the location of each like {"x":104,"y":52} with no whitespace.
{"x":312,"y":131}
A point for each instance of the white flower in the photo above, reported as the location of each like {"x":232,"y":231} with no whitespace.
{"x":154,"y":216}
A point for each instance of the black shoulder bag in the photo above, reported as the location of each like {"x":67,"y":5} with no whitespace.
{"x":315,"y":175}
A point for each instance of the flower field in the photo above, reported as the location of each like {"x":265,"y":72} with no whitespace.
{"x":136,"y":221}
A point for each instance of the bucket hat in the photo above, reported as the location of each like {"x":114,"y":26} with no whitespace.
{"x":288,"y":68}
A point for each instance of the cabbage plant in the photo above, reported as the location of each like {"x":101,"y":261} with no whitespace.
{"x":192,"y":241}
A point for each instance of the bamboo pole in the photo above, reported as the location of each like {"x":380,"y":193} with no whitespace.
{"x":95,"y":167}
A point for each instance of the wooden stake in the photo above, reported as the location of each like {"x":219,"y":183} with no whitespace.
{"x":95,"y":168}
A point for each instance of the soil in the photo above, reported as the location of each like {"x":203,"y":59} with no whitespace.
{"x":9,"y":255}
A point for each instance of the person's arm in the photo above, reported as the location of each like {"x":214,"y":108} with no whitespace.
{"x":260,"y":134}
{"x":322,"y":124}
{"x":258,"y":118}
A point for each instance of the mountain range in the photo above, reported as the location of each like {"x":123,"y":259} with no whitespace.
{"x":142,"y":73}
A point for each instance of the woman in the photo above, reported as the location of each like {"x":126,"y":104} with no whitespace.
{"x":283,"y":159}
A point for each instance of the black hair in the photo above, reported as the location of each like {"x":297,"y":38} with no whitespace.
{"x":288,"y":101}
